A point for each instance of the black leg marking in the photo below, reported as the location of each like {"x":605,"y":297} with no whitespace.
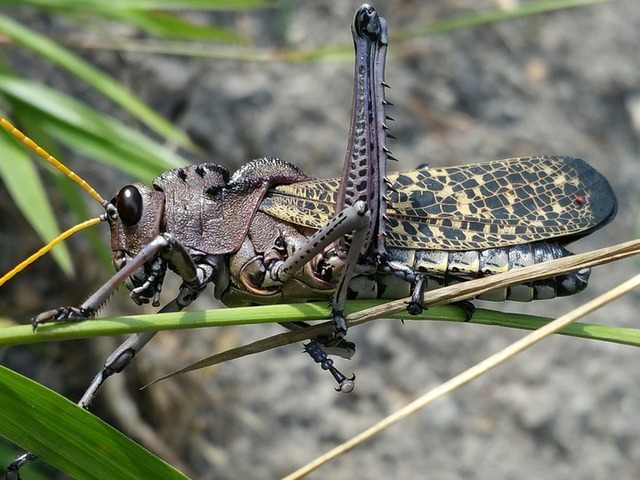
{"x":13,"y":470}
{"x":416,"y":304}
{"x":345,"y":385}
{"x":468,"y":308}
{"x":339,"y":324}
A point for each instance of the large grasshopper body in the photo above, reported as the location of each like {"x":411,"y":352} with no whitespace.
{"x":434,"y":227}
{"x":271,"y":234}
{"x":445,"y":225}
{"x":241,"y":225}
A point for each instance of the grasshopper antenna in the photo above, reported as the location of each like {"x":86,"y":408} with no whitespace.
{"x":110,"y":210}
{"x":9,"y":127}
{"x":59,"y":239}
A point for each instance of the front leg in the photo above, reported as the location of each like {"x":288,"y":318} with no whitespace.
{"x":195,"y":277}
{"x":162,"y":249}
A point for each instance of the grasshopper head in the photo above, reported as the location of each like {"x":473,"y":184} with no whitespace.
{"x":138,"y":220}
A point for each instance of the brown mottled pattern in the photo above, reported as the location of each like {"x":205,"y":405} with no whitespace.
{"x":472,"y":207}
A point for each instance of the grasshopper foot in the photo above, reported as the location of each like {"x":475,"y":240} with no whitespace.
{"x":12,"y":474}
{"x":315,"y":351}
{"x":416,"y":304}
{"x":13,"y":470}
{"x":415,"y":307}
{"x":62,"y":314}
{"x":468,"y":308}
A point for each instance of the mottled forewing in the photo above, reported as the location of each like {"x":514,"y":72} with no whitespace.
{"x":471,"y":207}
{"x":308,"y":204}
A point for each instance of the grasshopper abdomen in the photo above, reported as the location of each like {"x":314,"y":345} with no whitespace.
{"x":441,"y":268}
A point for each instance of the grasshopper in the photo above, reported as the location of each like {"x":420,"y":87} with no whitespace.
{"x":270,"y":234}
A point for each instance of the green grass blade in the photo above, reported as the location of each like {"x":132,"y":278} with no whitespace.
{"x":345,"y":51}
{"x":89,"y":132}
{"x":94,"y":77}
{"x":92,"y":5}
{"x":9,"y":452}
{"x":23,"y":334}
{"x":70,"y":438}
{"x":26,"y":189}
{"x":495,"y":16}
{"x":166,"y":25}
{"x":155,"y":19}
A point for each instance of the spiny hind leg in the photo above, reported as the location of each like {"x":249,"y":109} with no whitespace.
{"x":352,"y":220}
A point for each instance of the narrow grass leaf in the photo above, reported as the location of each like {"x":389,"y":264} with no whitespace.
{"x":495,"y":16}
{"x":93,"y":5}
{"x":25,"y":187}
{"x":94,"y":77}
{"x":70,"y":438}
{"x":90,"y":132}
{"x":167,"y":25}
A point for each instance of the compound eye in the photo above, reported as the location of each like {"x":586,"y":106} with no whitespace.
{"x":129,"y":204}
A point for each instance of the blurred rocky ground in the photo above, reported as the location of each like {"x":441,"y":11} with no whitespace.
{"x":561,"y":83}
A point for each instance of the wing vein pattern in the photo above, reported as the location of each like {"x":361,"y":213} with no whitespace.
{"x":494,"y":204}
